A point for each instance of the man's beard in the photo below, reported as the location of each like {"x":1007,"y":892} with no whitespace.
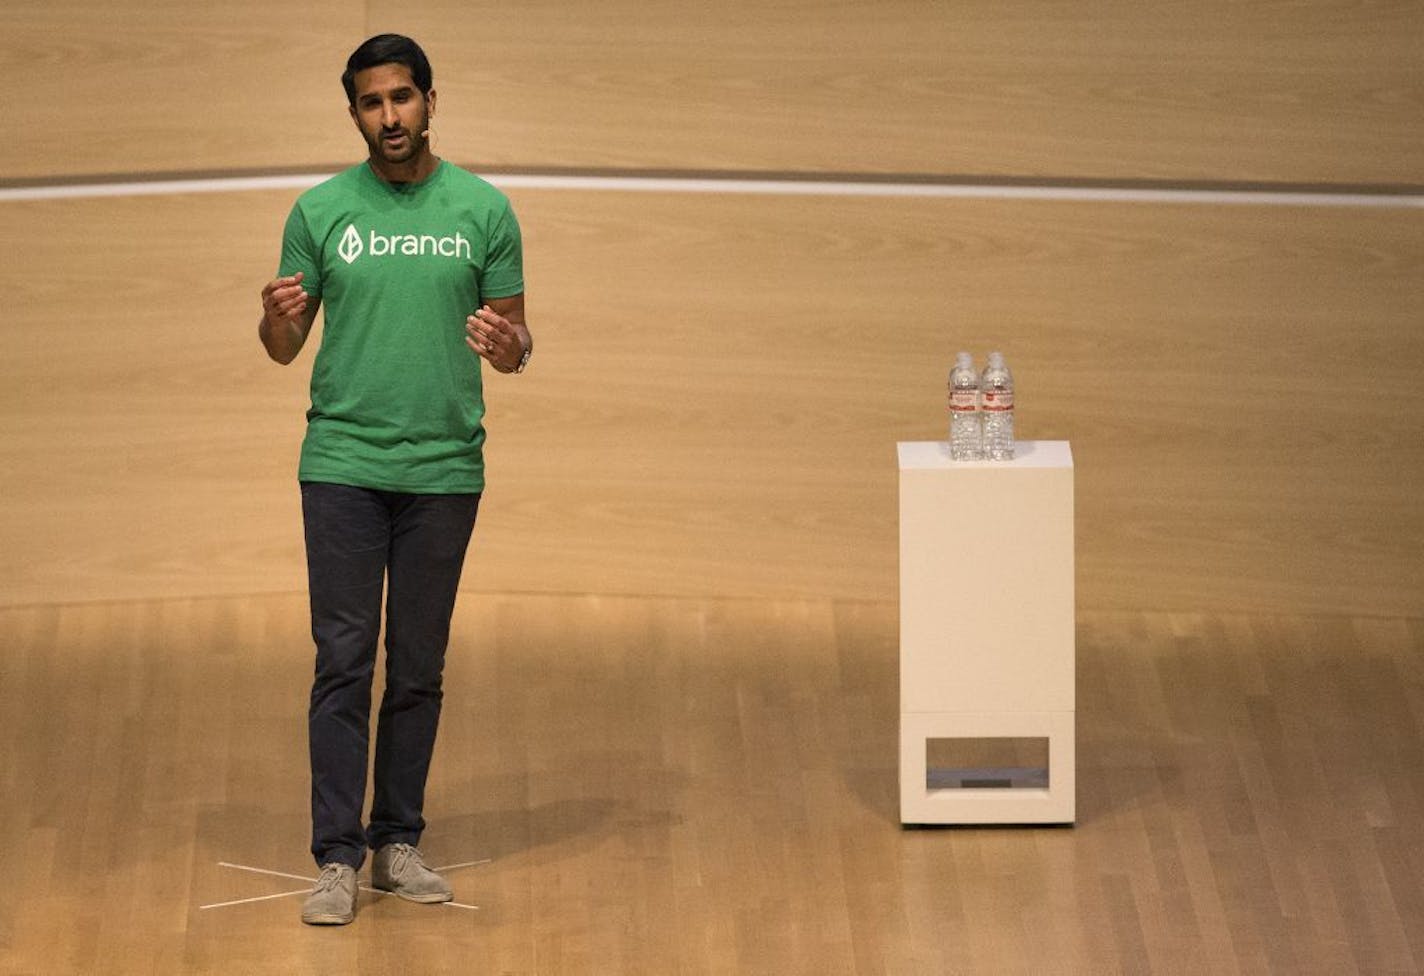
{"x":414,"y":143}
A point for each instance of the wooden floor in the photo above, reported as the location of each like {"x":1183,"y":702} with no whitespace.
{"x":685,"y":786}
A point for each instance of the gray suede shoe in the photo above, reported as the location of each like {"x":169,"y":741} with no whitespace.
{"x":398,"y":868}
{"x":333,"y":900}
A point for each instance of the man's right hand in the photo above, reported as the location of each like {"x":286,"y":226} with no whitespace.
{"x":287,"y":315}
{"x":284,"y":299}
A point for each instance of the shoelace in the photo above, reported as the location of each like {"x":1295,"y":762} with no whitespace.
{"x":329,"y":879}
{"x":404,"y":854}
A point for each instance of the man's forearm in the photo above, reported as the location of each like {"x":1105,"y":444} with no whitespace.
{"x":287,"y":314}
{"x":282,"y":339}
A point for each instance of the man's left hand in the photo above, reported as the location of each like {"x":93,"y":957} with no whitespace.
{"x":496,"y":339}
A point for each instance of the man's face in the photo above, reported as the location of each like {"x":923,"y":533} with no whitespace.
{"x":391,"y":112}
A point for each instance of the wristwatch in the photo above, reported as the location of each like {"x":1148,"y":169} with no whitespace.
{"x":524,"y":359}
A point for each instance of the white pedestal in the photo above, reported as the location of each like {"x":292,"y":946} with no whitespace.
{"x":986,"y":628}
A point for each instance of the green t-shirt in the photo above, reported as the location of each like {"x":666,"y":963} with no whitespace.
{"x":397,"y":402}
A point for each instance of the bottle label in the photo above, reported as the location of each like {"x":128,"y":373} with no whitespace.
{"x":964,"y":400}
{"x":998,"y":401}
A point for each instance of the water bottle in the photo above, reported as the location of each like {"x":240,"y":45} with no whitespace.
{"x":965,"y":435}
{"x":996,"y":389}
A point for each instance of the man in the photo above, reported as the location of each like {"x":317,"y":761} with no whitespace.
{"x":420,"y":266}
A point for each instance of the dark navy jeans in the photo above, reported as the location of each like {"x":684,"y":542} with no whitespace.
{"x":360,"y":541}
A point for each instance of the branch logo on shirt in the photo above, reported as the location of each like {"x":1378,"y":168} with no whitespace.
{"x":352,"y":246}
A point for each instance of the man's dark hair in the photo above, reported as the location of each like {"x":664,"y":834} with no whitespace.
{"x":387,"y":49}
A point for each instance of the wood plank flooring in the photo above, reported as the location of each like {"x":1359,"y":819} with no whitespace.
{"x":688,"y":786}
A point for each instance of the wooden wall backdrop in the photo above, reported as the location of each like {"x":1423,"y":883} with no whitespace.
{"x":719,"y":385}
{"x":721,"y":379}
{"x":1294,"y":90}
